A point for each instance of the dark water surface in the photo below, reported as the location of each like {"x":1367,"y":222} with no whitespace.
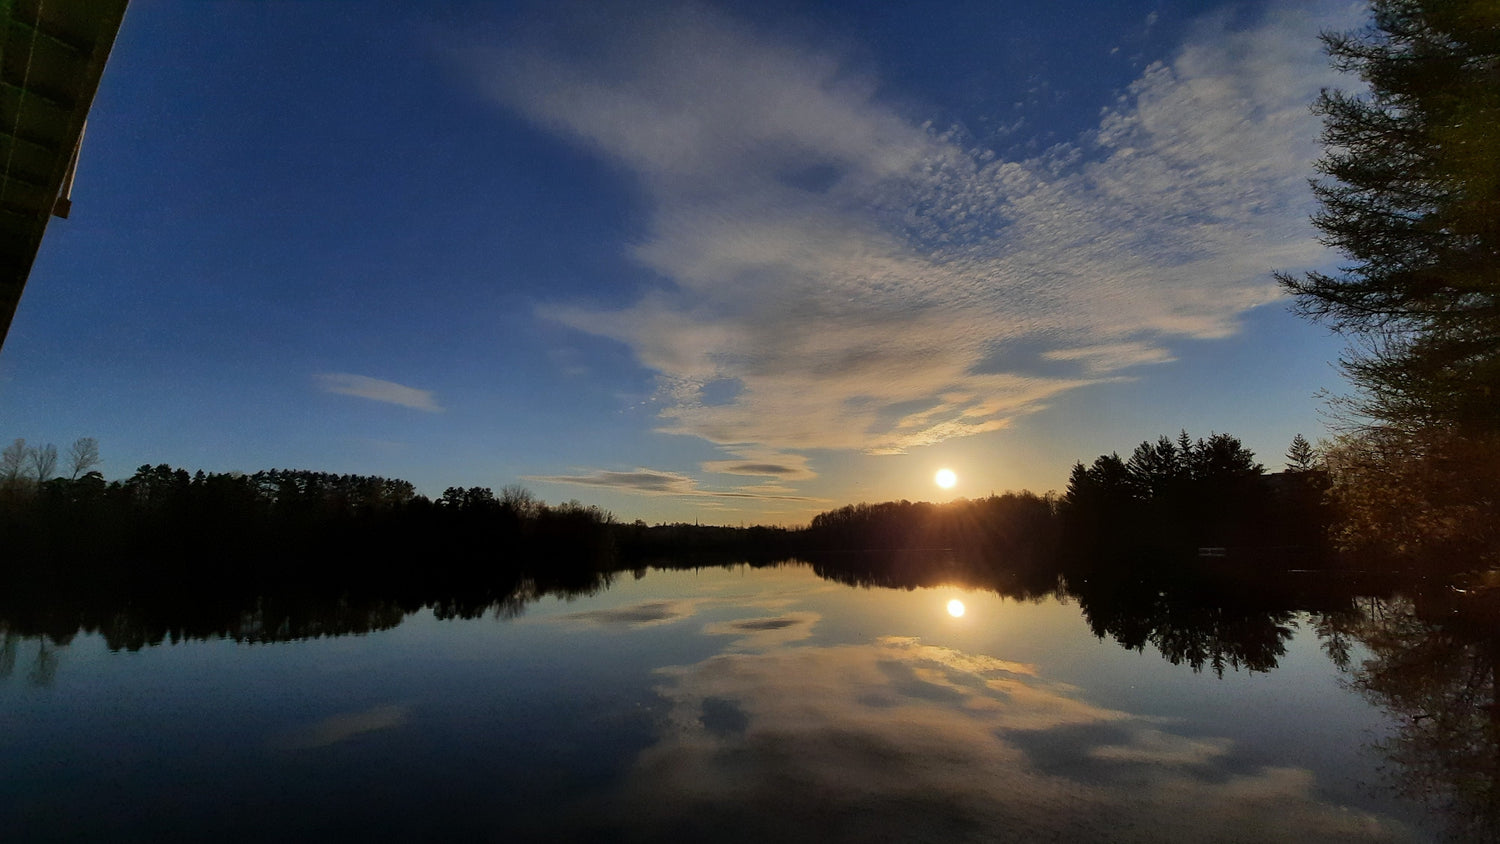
{"x":747,"y":704}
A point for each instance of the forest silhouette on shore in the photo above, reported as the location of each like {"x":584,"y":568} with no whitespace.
{"x":286,"y":554}
{"x":1169,"y":500}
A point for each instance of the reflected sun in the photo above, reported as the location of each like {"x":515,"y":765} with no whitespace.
{"x":955,"y":608}
{"x":945,"y":478}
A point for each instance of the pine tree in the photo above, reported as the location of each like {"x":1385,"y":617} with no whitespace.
{"x":1300,"y":456}
{"x":1412,"y":198}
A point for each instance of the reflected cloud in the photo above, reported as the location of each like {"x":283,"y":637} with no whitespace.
{"x":644,"y":614}
{"x":898,"y":738}
{"x":755,"y":634}
{"x":345,"y":726}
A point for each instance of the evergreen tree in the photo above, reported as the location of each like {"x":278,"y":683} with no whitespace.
{"x":1158,"y":468}
{"x":1300,"y":457}
{"x":1412,"y":198}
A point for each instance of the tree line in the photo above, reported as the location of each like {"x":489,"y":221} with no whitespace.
{"x":1168,"y":500}
{"x":1175,"y":495}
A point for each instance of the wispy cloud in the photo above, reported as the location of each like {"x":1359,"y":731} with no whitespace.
{"x":657,"y":482}
{"x":375,"y":389}
{"x":641,"y":480}
{"x":859,"y":276}
{"x":765,"y":463}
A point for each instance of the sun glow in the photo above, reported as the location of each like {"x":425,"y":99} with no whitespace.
{"x":945,"y":478}
{"x":956,"y":608}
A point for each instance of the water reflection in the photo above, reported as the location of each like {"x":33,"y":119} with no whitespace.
{"x":1202,"y":623}
{"x":345,"y":726}
{"x":897,"y":737}
{"x":41,"y":664}
{"x":1433,"y":662}
{"x":780,"y":726}
{"x":1205,"y":619}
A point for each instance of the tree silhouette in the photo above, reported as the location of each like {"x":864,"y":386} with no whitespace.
{"x":1412,"y":198}
{"x":13,"y":465}
{"x":82,"y":457}
{"x":1300,"y":456}
{"x":43,"y":462}
{"x":1169,"y":499}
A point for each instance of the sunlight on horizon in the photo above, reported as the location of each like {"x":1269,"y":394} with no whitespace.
{"x":945,"y":478}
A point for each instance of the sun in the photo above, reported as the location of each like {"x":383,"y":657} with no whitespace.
{"x":956,"y":608}
{"x":945,"y":478}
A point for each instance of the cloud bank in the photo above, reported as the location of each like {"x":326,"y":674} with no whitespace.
{"x":375,"y":389}
{"x":864,"y":281}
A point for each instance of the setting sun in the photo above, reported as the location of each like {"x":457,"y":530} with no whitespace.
{"x":945,"y":478}
{"x":955,"y":608}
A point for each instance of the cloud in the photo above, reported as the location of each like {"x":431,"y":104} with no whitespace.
{"x":375,"y":389}
{"x":897,"y":739}
{"x":648,"y":481}
{"x":858,"y":276}
{"x":657,"y":482}
{"x":737,"y":468}
{"x":782,"y":466}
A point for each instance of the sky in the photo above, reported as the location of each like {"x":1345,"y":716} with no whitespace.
{"x":734,"y":262}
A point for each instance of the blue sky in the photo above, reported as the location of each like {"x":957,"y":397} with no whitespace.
{"x":729,"y":262}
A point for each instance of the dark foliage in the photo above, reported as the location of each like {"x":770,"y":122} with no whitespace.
{"x":1433,"y":663}
{"x":1172,"y":498}
{"x":1018,"y":526}
{"x":1412,"y":199}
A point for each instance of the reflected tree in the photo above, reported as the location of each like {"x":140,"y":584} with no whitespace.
{"x":1200,"y":624}
{"x":10,"y":643}
{"x":1432,"y":665}
{"x":42,"y":670}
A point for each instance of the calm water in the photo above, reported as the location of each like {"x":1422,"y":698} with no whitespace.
{"x":725,"y":704}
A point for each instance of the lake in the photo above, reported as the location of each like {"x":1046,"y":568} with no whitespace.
{"x":728,"y":703}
